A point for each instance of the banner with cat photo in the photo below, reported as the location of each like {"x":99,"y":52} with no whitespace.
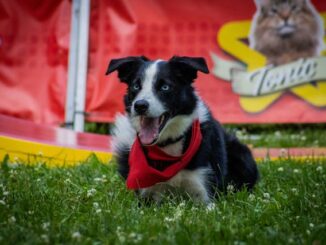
{"x":266,"y":57}
{"x":285,"y":55}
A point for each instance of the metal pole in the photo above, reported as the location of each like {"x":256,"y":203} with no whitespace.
{"x":72,"y":65}
{"x":82,"y":62}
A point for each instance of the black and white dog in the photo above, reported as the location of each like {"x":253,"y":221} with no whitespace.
{"x":159,"y":131}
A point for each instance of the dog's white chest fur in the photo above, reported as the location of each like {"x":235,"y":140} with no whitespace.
{"x":191,"y":181}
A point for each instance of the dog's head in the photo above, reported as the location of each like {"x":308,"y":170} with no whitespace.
{"x":158,"y":91}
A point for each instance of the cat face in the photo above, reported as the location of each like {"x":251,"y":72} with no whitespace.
{"x":284,"y":18}
{"x":287,"y":26}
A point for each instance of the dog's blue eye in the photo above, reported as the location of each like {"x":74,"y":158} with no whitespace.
{"x":136,"y":86}
{"x":165,"y":87}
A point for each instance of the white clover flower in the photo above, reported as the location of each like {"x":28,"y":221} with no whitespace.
{"x":178,"y":213}
{"x":120,"y":234}
{"x":182,"y":204}
{"x":96,"y":205}
{"x":239,"y":133}
{"x":168,"y":219}
{"x":251,"y":197}
{"x":294,"y":190}
{"x":12,"y":219}
{"x":45,"y":238}
{"x":12,"y":172}
{"x":193,"y":209}
{"x":291,"y":240}
{"x":98,"y":211}
{"x":122,"y":238}
{"x":296,"y":171}
{"x":230,"y":188}
{"x":66,"y":181}
{"x":97,"y":179}
{"x":2,"y":202}
{"x":210,"y":207}
{"x":135,"y":237}
{"x":303,"y":138}
{"x":308,"y":232}
{"x":46,"y":225}
{"x":311,"y":225}
{"x":30,"y":212}
{"x":266,"y":195}
{"x":91,"y":192}
{"x":280,"y":169}
{"x":319,"y":169}
{"x":76,"y":235}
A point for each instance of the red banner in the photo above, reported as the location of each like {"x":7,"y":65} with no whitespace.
{"x":247,"y":83}
{"x":34,"y":42}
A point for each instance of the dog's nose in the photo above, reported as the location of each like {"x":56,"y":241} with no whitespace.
{"x":141,"y":106}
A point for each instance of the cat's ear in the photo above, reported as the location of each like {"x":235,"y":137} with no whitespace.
{"x":126,"y":67}
{"x":262,"y":3}
{"x":305,"y":2}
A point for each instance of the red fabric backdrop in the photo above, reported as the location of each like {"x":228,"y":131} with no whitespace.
{"x":34,"y":45}
{"x":34,"y":42}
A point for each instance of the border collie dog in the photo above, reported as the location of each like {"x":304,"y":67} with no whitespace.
{"x":168,"y":138}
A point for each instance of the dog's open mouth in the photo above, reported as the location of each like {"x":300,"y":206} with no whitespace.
{"x":150,"y":128}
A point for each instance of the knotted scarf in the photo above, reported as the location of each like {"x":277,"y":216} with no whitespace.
{"x":142,"y":175}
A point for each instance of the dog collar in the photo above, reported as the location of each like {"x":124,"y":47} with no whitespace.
{"x":142,"y":175}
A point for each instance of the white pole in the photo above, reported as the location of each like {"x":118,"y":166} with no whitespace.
{"x":82,"y":61}
{"x":72,"y":65}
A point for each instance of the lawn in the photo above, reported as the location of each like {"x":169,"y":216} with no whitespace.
{"x":89,"y":204}
{"x":281,"y":135}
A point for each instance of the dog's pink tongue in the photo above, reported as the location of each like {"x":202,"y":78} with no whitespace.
{"x":149,"y":129}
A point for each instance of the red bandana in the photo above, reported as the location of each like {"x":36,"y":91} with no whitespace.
{"x":142,"y":175}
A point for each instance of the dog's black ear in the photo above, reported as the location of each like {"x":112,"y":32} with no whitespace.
{"x":188,"y":66}
{"x":126,"y":67}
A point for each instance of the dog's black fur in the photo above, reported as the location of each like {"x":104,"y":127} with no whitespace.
{"x":230,"y":161}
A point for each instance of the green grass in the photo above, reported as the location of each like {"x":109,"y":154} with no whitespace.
{"x":89,"y":204}
{"x":282,"y":135}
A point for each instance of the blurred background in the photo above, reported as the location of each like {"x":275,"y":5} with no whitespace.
{"x":54,"y":54}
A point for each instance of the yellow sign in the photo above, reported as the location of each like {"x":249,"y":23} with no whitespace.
{"x":229,"y":39}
